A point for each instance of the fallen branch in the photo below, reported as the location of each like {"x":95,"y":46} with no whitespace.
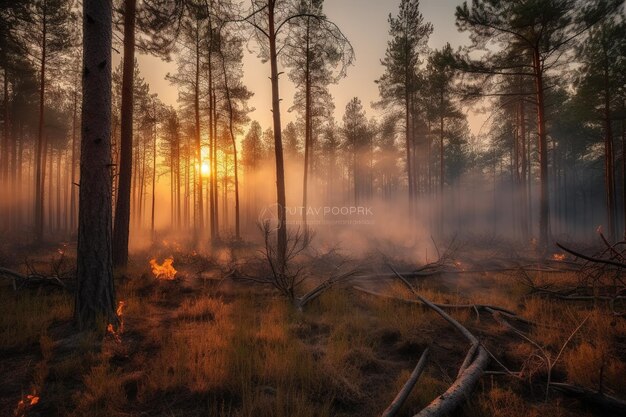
{"x":591,"y":258}
{"x":320,"y":289}
{"x":472,"y":368}
{"x":30,"y":279}
{"x":476,"y":307}
{"x":408,"y":386}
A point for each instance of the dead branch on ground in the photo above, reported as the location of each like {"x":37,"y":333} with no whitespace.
{"x":470,"y":371}
{"x":408,"y":386}
{"x":34,"y":278}
{"x":600,"y":277}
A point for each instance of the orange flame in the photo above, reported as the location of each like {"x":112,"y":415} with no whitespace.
{"x":117,"y":334}
{"x":165,"y":270}
{"x":558,"y":256}
{"x":25,"y":403}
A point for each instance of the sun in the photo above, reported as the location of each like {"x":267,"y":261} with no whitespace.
{"x":205,"y":170}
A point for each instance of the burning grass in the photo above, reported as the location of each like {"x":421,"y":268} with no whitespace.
{"x":165,"y":270}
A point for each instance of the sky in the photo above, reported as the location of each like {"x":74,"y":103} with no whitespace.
{"x":364,"y":22}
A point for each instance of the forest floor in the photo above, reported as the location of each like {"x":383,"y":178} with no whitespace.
{"x":206,"y":345}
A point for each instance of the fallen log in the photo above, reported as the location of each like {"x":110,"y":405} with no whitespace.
{"x":460,"y":389}
{"x":408,"y":386}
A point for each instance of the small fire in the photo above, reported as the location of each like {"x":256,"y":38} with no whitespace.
{"x":117,"y":334}
{"x":165,"y":270}
{"x":26,"y":403}
{"x":558,"y":256}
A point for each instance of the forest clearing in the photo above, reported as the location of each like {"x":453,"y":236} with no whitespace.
{"x":207,"y":341}
{"x":269,"y":208}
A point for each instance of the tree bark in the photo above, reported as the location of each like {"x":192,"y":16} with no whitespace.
{"x":544,"y":204}
{"x":307,"y":125}
{"x":73,"y":167}
{"x":231,"y":128}
{"x":39,"y":146}
{"x":95,"y":295}
{"x":122,"y":206}
{"x":4,"y":151}
{"x":281,"y":230}
{"x":154,"y":177}
{"x":199,"y":215}
{"x":609,"y":173}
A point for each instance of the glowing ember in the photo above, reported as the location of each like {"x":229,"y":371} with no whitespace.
{"x":25,"y":403}
{"x":120,"y":314}
{"x":558,"y":256}
{"x":165,"y":270}
{"x":117,"y":334}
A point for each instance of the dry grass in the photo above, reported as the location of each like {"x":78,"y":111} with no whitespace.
{"x":26,"y":316}
{"x":503,"y":402}
{"x":196,"y":351}
{"x":102,"y":394}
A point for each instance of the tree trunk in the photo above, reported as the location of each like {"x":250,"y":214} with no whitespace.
{"x":199,"y":215}
{"x":73,"y":167}
{"x":407,"y":140}
{"x":281,"y":230}
{"x":609,"y":173}
{"x":58,"y":192}
{"x":4,"y":151}
{"x":524,"y":166}
{"x":19,"y":217}
{"x":234,"y":143}
{"x":544,"y":204}
{"x":154,"y":177}
{"x":216,"y":210}
{"x":122,"y":206}
{"x":39,"y":147}
{"x":95,"y":294}
{"x":624,"y":164}
{"x":307,"y":126}
{"x":212,"y":143}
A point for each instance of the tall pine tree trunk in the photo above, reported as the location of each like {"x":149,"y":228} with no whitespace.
{"x":39,"y":212}
{"x":544,"y":203}
{"x":73,"y":167}
{"x":4,"y":149}
{"x":231,"y":127}
{"x":95,"y":293}
{"x":307,"y":127}
{"x":609,"y":173}
{"x":281,"y":199}
{"x":154,"y":177}
{"x":122,"y":205}
{"x":199,"y":215}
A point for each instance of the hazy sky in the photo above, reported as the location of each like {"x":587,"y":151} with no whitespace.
{"x":364,"y":22}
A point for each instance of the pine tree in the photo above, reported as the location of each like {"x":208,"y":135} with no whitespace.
{"x":601,"y":76}
{"x":53,"y":34}
{"x":540,"y":31}
{"x":318,"y":55}
{"x":399,"y":84}
{"x":95,"y":294}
